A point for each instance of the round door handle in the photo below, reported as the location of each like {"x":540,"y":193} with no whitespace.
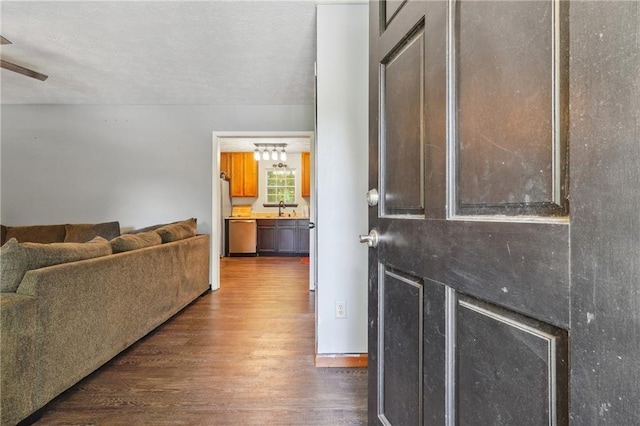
{"x":373,"y":197}
{"x":371,"y":240}
{"x":312,"y":225}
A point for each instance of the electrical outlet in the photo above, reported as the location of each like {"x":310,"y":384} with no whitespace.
{"x":341,"y":309}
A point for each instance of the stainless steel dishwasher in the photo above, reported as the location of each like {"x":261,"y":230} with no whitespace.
{"x":243,"y":236}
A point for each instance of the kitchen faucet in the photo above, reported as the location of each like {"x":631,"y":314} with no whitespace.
{"x":280,"y":208}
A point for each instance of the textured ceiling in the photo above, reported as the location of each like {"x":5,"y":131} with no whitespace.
{"x":160,"y":52}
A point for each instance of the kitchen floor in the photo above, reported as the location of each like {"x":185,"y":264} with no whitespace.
{"x":243,"y":355}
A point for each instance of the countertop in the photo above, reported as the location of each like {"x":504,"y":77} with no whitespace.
{"x":266,"y":217}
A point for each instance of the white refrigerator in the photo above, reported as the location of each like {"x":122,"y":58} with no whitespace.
{"x":225,"y":208}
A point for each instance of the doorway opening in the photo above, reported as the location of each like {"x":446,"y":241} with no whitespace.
{"x":255,"y":200}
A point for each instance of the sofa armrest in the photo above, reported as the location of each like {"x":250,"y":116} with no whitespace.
{"x":17,"y":356}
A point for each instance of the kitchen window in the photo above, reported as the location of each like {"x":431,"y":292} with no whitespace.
{"x":281,"y":185}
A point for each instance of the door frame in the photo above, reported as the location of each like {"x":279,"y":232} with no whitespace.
{"x":214,"y":261}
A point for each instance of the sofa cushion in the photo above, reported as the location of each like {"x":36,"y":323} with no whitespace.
{"x":83,"y":232}
{"x":178,"y":231}
{"x":129,"y":242}
{"x":36,"y":233}
{"x":18,"y":258}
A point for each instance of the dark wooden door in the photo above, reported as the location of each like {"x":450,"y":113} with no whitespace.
{"x":470,"y":302}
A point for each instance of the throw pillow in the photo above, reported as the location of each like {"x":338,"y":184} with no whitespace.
{"x":129,"y":242}
{"x":147,"y":228}
{"x":178,"y":231}
{"x":153,"y":227}
{"x":83,"y":232}
{"x":18,"y":258}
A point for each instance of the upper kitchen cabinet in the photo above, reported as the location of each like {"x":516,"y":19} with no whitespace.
{"x":244,"y":174}
{"x":225,"y":163}
{"x":306,"y":175}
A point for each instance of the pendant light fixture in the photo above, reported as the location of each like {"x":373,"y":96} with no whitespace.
{"x":269,"y":151}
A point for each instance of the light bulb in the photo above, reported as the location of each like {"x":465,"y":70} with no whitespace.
{"x":274,"y":154}
{"x":283,"y":155}
{"x":265,"y":154}
{"x":256,"y":155}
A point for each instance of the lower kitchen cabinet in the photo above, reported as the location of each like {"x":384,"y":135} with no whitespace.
{"x":303,"y":237}
{"x":283,"y":237}
{"x":266,"y":236}
{"x":286,"y":230}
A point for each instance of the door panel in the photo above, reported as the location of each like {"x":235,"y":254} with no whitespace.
{"x":473,"y":254}
{"x":505,"y":102}
{"x":510,"y":369}
{"x":402,"y":103}
{"x":411,"y":26}
{"x":511,"y":103}
{"x":401,"y":307}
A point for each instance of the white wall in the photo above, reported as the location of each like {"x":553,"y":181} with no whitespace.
{"x":139,"y":165}
{"x":294,"y":161}
{"x":342,"y":175}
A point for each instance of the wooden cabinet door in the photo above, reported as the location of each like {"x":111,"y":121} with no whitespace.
{"x":250,"y":175}
{"x":303,"y":237}
{"x":225,"y":163}
{"x":244,"y":174}
{"x":286,"y":236}
{"x":306,"y":175}
{"x":266,"y":236}
{"x":237,"y":174}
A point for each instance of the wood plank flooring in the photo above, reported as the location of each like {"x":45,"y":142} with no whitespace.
{"x":243,"y":355}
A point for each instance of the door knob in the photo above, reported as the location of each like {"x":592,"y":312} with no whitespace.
{"x":372,"y":197}
{"x":371,"y":240}
{"x":312,"y":225}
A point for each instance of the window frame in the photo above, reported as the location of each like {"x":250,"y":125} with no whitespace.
{"x":294,"y":186}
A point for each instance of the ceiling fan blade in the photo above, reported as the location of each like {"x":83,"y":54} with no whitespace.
{"x":22,"y":70}
{"x":4,"y":41}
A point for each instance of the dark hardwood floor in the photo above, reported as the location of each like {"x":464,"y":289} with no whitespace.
{"x":242,"y":355}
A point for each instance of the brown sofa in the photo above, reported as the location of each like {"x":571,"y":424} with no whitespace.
{"x":66,"y":320}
